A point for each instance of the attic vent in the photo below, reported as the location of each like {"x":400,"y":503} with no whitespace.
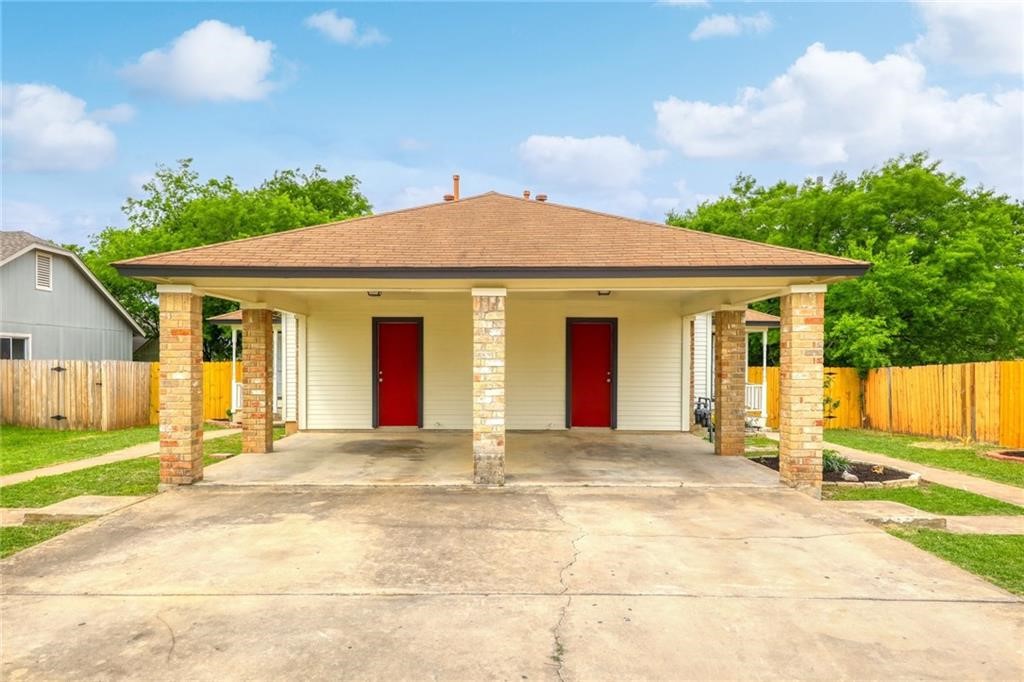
{"x":44,"y":271}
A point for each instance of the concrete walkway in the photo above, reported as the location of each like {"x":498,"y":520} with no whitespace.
{"x":133,"y":452}
{"x":953,"y":479}
{"x":885,"y":512}
{"x":543,"y":584}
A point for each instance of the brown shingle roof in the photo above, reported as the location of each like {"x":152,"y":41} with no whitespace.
{"x":756,"y":318}
{"x":490,"y":232}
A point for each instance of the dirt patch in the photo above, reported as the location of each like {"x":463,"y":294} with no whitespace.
{"x":937,"y":445}
{"x":864,"y":472}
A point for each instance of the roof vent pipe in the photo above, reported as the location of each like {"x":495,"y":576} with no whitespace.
{"x":526,"y":194}
{"x":449,"y":197}
{"x":455,"y":187}
{"x":541,"y":197}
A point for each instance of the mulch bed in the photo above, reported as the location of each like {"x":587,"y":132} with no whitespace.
{"x":1008,"y":455}
{"x":862,"y":471}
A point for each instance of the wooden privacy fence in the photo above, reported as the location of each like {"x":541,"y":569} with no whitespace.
{"x":74,"y":394}
{"x":981,"y":401}
{"x":216,"y":389}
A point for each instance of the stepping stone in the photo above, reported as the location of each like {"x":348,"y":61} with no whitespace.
{"x":883,"y":512}
{"x":13,"y":516}
{"x":81,"y":507}
{"x":986,"y":525}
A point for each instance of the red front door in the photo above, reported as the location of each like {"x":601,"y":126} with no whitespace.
{"x":398,"y":373}
{"x":591,"y":367}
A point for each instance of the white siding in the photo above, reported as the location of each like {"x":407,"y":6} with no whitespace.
{"x":702,"y":355}
{"x":649,"y":361}
{"x":650,"y":351}
{"x":289,"y":329}
{"x":339,"y":385}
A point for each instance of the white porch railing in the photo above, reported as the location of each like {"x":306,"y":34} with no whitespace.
{"x":754,"y":397}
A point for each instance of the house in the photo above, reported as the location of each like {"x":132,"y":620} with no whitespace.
{"x":494,"y":313}
{"x":53,"y":308}
{"x":702,"y":368}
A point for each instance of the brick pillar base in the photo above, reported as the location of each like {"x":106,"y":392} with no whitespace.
{"x":489,"y":386}
{"x":181,"y":387}
{"x":801,"y":378}
{"x":257,"y":373}
{"x":730,"y":382}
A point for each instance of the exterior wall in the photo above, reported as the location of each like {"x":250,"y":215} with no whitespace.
{"x":337,"y":380}
{"x":703,"y":381}
{"x":338,"y":348}
{"x":289,"y":328}
{"x":72,"y":322}
{"x":649,"y":361}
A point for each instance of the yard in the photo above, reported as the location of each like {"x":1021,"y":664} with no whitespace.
{"x":966,"y":458}
{"x":28,"y":448}
{"x":131,"y":477}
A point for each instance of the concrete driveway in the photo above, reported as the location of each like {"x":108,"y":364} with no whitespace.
{"x":520,"y":583}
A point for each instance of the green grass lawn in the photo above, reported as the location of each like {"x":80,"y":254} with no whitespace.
{"x":16,"y":538}
{"x":131,"y":477}
{"x":934,"y":498}
{"x":761,"y":442}
{"x":997,"y":558}
{"x":27,"y":448}
{"x":967,"y":459}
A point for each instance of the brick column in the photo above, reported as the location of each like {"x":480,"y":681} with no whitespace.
{"x":181,"y":385}
{"x":801,"y":389}
{"x":257,"y":373}
{"x":489,"y":386}
{"x":730,"y":382}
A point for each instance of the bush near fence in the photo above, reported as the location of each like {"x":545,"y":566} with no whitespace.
{"x":982,"y":401}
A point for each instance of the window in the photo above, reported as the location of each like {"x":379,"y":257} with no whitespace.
{"x":44,"y":271}
{"x":15,"y":347}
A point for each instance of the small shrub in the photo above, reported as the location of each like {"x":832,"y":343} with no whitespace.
{"x":834,"y":463}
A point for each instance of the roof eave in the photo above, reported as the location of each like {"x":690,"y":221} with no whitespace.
{"x":128,"y":269}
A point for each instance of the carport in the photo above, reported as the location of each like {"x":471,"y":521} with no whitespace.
{"x":492,"y":316}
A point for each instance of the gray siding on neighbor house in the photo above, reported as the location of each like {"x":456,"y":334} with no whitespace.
{"x":75,"y":321}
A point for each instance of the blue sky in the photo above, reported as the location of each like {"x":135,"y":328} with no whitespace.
{"x":634,"y":108}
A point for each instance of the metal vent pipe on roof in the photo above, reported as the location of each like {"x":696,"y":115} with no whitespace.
{"x":526,"y":194}
{"x":455,"y":187}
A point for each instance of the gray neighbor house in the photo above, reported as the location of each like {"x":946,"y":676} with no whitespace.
{"x":53,"y":308}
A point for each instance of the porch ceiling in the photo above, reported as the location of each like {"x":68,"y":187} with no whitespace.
{"x":693,"y":295}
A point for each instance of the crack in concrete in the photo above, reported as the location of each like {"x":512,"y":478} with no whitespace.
{"x":170,"y":631}
{"x":558,"y":655}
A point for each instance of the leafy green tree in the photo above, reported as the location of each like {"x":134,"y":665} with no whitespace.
{"x":947,"y":280}
{"x":179,"y":210}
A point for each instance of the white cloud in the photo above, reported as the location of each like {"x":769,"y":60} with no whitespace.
{"x":344,"y":30}
{"x":48,"y":129}
{"x":832,"y":107}
{"x":213,"y":61}
{"x":119,"y":113}
{"x":982,"y":37}
{"x":600,"y":161}
{"x":24,"y":215}
{"x":719,"y":25}
{"x":412,"y":144}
